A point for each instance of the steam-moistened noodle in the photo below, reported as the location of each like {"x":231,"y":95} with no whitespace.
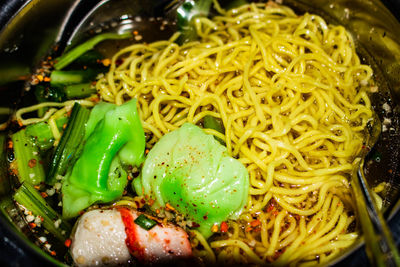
{"x":291,"y":93}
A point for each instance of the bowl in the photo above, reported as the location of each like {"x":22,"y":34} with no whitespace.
{"x":30,"y":29}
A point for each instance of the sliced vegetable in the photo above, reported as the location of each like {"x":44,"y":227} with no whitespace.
{"x":28,"y":164}
{"x":93,"y":177}
{"x":60,"y":78}
{"x":68,"y":57}
{"x":145,"y":222}
{"x":28,"y":197}
{"x":211,"y":122}
{"x":91,"y":59}
{"x":80,"y":90}
{"x":190,"y":171}
{"x":68,"y":148}
{"x":49,"y":94}
{"x":187,"y":13}
{"x":41,"y":135}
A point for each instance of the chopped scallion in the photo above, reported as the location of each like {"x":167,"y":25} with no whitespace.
{"x":145,"y":222}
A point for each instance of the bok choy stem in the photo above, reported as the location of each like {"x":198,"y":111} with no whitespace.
{"x":76,"y":52}
{"x":70,"y":143}
{"x":27,"y":196}
{"x":29,"y":166}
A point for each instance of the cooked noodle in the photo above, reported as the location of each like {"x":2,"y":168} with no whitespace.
{"x":291,"y":93}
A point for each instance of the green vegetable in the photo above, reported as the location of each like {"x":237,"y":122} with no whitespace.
{"x":91,"y":59}
{"x":70,"y":141}
{"x":27,"y":158}
{"x":41,"y":134}
{"x":80,"y":90}
{"x":98,"y":176}
{"x":69,"y":57}
{"x":211,"y":122}
{"x":145,"y":222}
{"x":28,"y":197}
{"x":192,"y":172}
{"x":49,"y":94}
{"x":60,"y":78}
{"x":186,"y":14}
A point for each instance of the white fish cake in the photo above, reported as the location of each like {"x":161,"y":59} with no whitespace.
{"x":100,"y":239}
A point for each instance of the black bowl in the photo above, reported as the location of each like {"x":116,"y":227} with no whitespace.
{"x":29,"y":29}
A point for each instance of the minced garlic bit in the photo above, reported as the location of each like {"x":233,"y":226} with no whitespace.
{"x":57,"y":223}
{"x":50,"y":191}
{"x":30,"y":218}
{"x":38,"y":221}
{"x":386,"y":107}
{"x":57,"y":186}
{"x":42,"y":239}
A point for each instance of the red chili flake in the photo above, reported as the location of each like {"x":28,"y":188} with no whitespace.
{"x":68,"y":242}
{"x":32,"y":163}
{"x":106,"y":62}
{"x":255,"y":223}
{"x":10,"y":144}
{"x":224,"y":227}
{"x":195,"y":225}
{"x":53,"y":253}
{"x":32,"y":225}
{"x":44,"y":194}
{"x":248,"y":229}
{"x":275,"y":213}
{"x":214,"y":228}
{"x":390,"y":171}
{"x":270,"y":208}
{"x":169,"y":207}
{"x":36,"y":187}
{"x":14,"y":172}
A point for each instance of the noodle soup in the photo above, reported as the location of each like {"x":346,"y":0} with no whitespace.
{"x":281,"y":98}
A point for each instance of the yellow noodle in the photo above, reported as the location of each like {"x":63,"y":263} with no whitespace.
{"x":291,"y":93}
